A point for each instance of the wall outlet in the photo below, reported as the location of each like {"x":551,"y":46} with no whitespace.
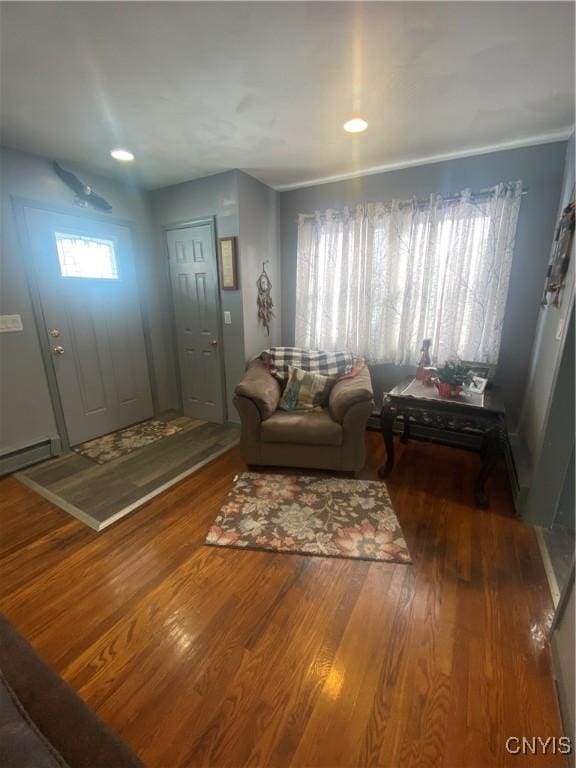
{"x":227,"y":318}
{"x":10,"y":323}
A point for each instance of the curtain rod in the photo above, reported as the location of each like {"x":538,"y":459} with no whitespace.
{"x":425,"y":200}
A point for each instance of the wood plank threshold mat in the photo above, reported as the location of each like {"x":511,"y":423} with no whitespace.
{"x":101,"y":494}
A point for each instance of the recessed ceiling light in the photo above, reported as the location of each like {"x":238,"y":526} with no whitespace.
{"x":123,"y":155}
{"x":355,"y":125}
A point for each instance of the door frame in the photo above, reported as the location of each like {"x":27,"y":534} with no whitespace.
{"x":186,"y":224}
{"x":19,"y":205}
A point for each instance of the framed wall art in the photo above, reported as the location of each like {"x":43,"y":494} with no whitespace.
{"x":228,"y":263}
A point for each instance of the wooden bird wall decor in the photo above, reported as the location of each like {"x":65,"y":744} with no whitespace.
{"x":85,"y":195}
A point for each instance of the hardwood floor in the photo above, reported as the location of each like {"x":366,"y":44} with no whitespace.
{"x":204,"y":656}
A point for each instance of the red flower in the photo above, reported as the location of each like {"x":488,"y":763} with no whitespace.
{"x":368,"y":541}
{"x":217,"y":536}
{"x":276,"y":489}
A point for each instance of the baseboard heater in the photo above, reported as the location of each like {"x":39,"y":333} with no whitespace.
{"x":13,"y":461}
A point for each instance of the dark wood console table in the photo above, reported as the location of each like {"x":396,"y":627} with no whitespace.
{"x":487,"y":422}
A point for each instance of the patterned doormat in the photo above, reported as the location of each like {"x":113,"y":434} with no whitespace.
{"x":112,"y":446}
{"x":326,"y":516}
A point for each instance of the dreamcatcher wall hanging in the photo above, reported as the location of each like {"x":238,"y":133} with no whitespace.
{"x":264,"y":301}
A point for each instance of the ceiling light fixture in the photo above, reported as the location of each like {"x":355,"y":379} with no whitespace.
{"x":355,"y":125}
{"x":122,"y":155}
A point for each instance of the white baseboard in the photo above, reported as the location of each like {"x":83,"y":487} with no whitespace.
{"x":550,"y":575}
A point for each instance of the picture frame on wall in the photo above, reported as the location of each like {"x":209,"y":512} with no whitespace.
{"x":228,"y":263}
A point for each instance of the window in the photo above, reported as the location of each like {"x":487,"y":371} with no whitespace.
{"x":378,"y":279}
{"x":86,"y":257}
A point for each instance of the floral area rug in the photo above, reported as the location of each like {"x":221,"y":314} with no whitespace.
{"x":112,"y":446}
{"x":312,"y":515}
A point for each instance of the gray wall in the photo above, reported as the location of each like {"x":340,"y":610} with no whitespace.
{"x":213,"y":196}
{"x":26,"y":415}
{"x":547,"y":349}
{"x":258,"y":219}
{"x":547,"y":421}
{"x":539,"y":167}
{"x":549,"y":469}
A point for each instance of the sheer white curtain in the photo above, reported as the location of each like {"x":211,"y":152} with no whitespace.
{"x":380,"y":278}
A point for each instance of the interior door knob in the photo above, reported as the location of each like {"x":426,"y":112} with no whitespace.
{"x":213,"y":342}
{"x":58,"y":350}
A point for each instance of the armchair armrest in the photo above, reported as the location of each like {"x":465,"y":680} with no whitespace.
{"x":260,"y":387}
{"x":348,"y":392}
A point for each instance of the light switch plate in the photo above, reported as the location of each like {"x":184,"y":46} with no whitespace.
{"x":560,"y":328}
{"x":227,"y":318}
{"x":10,"y":323}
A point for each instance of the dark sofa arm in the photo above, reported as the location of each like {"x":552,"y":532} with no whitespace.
{"x":260,"y":387}
{"x":348,"y":392}
{"x":69,"y":729}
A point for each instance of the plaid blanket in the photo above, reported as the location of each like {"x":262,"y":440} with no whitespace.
{"x":279,"y":359}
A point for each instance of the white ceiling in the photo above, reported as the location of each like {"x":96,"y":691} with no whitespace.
{"x":197,"y":88}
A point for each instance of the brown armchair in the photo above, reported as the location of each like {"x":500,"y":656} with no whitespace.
{"x":331,"y":439}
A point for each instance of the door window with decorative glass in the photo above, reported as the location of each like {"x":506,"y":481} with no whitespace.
{"x":86,"y":257}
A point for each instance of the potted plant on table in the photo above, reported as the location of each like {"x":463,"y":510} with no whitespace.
{"x":451,"y":378}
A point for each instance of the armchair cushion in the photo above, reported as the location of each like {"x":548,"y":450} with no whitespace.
{"x":347,"y":392}
{"x":260,"y":387}
{"x":302,"y":428}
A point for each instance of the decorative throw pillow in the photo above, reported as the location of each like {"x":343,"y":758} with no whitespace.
{"x":305,"y":391}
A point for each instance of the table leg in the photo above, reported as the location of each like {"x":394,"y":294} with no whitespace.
{"x":386,"y":425}
{"x":406,"y":432}
{"x":489,"y":454}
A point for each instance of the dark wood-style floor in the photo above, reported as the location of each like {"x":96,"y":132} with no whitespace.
{"x":219,"y":657}
{"x":101,"y":493}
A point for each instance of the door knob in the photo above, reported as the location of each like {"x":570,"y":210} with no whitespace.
{"x":213,"y":342}
{"x":58,"y":350}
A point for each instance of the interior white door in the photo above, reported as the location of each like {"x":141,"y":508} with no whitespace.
{"x":194,"y":272}
{"x":88,"y":290}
